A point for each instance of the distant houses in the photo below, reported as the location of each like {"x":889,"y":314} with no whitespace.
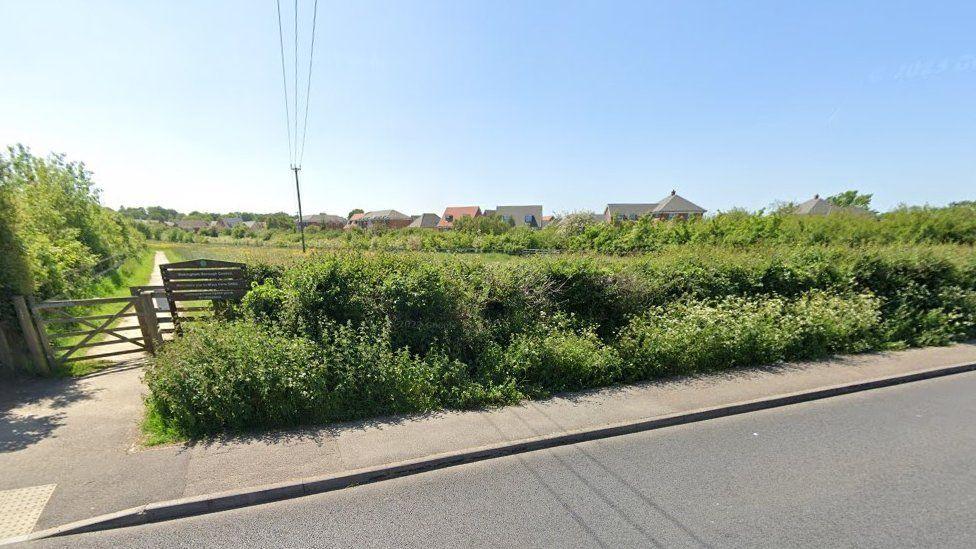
{"x":425,"y":221}
{"x":453,"y":213}
{"x":672,"y":206}
{"x":324,"y":221}
{"x":819,"y":206}
{"x":381,"y":219}
{"x":531,"y":216}
{"x":193,"y":225}
{"x":521,"y":216}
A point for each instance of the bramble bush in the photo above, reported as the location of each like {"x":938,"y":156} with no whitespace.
{"x":344,"y":335}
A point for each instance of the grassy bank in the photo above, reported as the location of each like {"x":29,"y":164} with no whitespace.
{"x":135,"y":271}
{"x":348,"y":335}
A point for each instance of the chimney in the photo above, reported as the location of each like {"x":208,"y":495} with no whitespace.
{"x":672,"y":192}
{"x":816,"y":197}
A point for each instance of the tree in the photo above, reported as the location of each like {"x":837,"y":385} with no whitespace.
{"x":851,"y":199}
{"x":354,"y":212}
{"x":483,"y":224}
{"x":280,"y":220}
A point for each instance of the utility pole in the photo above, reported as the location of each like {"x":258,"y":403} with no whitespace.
{"x":301,"y":220}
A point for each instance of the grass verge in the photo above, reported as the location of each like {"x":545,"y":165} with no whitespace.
{"x":134,"y":271}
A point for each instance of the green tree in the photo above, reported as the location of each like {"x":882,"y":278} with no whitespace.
{"x":483,"y":224}
{"x":851,"y":199}
{"x":58,"y":222}
{"x":280,"y":220}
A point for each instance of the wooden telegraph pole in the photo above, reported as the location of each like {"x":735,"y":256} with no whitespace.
{"x":301,"y":220}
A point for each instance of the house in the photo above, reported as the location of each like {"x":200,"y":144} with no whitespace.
{"x":453,"y":213}
{"x":324,"y":220}
{"x":625,"y":212}
{"x":547,"y":219}
{"x":425,"y":221}
{"x":819,"y":206}
{"x":521,"y":216}
{"x":195,"y":225}
{"x":382,"y":219}
{"x":226,"y":223}
{"x":255,"y":225}
{"x":675,"y":207}
{"x":354,"y":220}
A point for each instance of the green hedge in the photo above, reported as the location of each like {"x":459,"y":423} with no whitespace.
{"x":954,"y":224}
{"x":342,"y":336}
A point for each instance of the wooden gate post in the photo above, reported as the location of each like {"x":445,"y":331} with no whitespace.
{"x":38,"y":354}
{"x":148,"y":321}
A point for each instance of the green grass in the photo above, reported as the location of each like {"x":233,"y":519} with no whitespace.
{"x":155,"y":431}
{"x":133,"y":272}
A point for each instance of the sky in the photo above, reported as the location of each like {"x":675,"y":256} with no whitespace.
{"x":417,"y":105}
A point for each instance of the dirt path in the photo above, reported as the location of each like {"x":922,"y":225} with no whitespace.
{"x":155,"y":279}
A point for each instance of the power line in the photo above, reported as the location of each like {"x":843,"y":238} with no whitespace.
{"x":284,"y":81}
{"x":296,"y":83}
{"x":308,"y":89}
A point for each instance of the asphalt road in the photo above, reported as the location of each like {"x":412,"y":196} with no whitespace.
{"x":885,"y":468}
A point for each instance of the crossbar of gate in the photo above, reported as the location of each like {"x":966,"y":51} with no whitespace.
{"x":45,"y":316}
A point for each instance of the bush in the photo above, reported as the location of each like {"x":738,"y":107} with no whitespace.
{"x":54,"y":234}
{"x":240,"y":375}
{"x":691,"y":337}
{"x":381,"y":333}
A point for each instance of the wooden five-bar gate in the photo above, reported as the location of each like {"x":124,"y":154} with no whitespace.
{"x":58,"y":332}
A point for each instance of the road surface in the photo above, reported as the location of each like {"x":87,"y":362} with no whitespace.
{"x":884,"y":468}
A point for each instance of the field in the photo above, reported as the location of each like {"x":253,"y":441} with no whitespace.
{"x":347,"y":334}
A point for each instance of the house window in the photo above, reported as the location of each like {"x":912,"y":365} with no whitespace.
{"x":529,"y":219}
{"x":449,"y":218}
{"x":633,"y":217}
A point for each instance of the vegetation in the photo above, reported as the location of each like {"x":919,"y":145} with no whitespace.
{"x":581,"y":233}
{"x":343,"y":335}
{"x":55,"y":237}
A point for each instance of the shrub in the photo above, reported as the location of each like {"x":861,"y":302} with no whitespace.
{"x":556,"y":357}
{"x":240,"y":375}
{"x":382,"y":333}
{"x":692,"y":336}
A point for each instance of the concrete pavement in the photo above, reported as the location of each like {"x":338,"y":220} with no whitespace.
{"x":155,"y":279}
{"x":891,"y":467}
{"x":82,"y":434}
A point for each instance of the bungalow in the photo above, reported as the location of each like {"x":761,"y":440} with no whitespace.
{"x":625,"y":212}
{"x":324,"y":220}
{"x":195,"y":225}
{"x":354,"y":220}
{"x":819,"y":206}
{"x":676,"y":207}
{"x":521,"y":216}
{"x":425,"y":221}
{"x":453,"y":213}
{"x":255,"y":225}
{"x":382,"y":219}
{"x":226,"y":223}
{"x":672,"y":207}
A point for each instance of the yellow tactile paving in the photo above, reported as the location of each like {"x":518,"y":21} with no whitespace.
{"x":20,"y":508}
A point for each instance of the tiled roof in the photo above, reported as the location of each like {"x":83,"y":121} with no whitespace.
{"x":452,"y":213}
{"x":676,"y":204}
{"x":522,"y":216}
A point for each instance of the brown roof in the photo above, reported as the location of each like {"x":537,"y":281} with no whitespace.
{"x":456,"y":212}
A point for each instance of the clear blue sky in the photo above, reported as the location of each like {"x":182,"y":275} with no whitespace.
{"x":417,"y":105}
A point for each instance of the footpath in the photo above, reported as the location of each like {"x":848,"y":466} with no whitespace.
{"x":74,"y":444}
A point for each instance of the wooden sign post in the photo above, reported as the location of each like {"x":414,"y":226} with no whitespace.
{"x":200,"y":280}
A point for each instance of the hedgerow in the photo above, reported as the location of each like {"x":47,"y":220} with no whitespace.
{"x":348,"y":335}
{"x":954,"y":224}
